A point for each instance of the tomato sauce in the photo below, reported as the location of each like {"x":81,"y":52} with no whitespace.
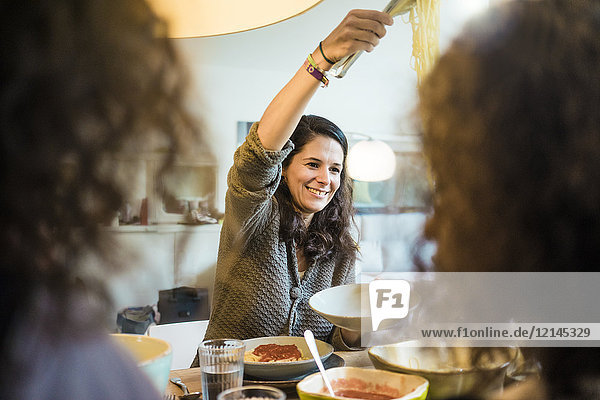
{"x":356,"y":388}
{"x":275,"y":352}
{"x":358,"y":394}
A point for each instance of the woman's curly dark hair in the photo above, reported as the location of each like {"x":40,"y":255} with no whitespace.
{"x":511,"y":129}
{"x":79,"y":82}
{"x":329,"y":234}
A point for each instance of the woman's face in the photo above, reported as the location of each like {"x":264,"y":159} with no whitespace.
{"x":314,"y":174}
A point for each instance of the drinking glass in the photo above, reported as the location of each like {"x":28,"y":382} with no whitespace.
{"x":252,"y":392}
{"x":222,"y":365}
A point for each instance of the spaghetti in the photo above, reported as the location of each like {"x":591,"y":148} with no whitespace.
{"x":424,"y":19}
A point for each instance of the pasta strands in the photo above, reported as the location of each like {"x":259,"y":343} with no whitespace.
{"x":424,"y":19}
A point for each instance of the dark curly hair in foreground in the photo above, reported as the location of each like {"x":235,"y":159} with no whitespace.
{"x":511,"y":128}
{"x":329,"y":233}
{"x":79,"y":82}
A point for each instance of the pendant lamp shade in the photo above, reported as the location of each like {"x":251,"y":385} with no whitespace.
{"x":200,"y":18}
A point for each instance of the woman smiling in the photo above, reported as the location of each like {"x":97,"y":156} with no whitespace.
{"x":288,"y":209}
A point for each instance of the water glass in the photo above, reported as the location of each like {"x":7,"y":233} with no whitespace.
{"x":221,"y":365}
{"x":256,"y":392}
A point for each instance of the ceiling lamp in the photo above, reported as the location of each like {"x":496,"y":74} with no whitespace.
{"x":200,"y":18}
{"x":371,"y":161}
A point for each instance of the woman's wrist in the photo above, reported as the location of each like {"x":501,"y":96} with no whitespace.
{"x":320,"y":60}
{"x":313,"y":69}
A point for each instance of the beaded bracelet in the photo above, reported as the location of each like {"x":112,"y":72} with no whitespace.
{"x":315,"y":71}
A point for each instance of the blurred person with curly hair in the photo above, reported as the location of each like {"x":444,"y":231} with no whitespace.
{"x":80,"y":81}
{"x":511,"y":130}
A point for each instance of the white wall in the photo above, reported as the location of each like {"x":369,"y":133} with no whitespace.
{"x":235,"y":76}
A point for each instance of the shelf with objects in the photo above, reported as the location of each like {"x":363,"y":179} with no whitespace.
{"x":184,"y":196}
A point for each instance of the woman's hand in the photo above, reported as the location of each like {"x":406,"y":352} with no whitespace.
{"x":359,"y":30}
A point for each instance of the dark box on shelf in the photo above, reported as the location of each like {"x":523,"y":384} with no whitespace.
{"x":183,"y":304}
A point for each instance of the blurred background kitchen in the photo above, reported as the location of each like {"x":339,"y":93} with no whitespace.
{"x":174,"y":243}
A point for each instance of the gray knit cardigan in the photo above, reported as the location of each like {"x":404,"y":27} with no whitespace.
{"x":258,"y":291}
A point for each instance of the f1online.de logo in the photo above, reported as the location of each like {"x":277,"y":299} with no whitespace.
{"x":389,"y":299}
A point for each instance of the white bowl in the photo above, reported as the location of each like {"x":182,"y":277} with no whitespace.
{"x":347,"y":306}
{"x":286,"y":369}
{"x":341,"y":305}
{"x":153,"y":356}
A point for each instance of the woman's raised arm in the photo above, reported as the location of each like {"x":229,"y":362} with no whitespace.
{"x":359,"y":30}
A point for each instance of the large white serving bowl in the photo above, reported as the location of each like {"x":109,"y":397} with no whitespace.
{"x":284,"y":370}
{"x":153,"y":356}
{"x":347,"y":306}
{"x":341,"y":305}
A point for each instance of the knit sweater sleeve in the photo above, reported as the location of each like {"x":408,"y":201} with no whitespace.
{"x":252,"y":182}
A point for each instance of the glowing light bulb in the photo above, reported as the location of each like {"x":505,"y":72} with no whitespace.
{"x":371,"y":161}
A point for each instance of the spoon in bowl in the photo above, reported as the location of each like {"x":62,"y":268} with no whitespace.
{"x":312,"y":346}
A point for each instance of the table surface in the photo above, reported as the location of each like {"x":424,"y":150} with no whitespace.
{"x":191,"y":376}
